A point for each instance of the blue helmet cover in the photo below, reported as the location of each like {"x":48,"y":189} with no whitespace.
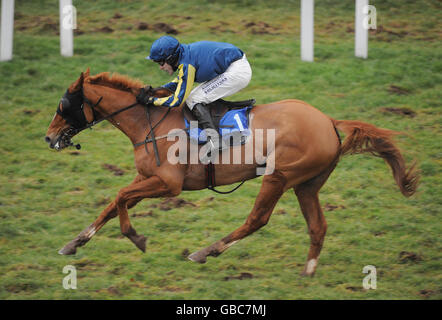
{"x":162,"y":48}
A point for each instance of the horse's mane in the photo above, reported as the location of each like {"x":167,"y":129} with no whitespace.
{"x":116,"y":81}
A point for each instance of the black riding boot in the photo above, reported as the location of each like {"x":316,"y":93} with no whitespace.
{"x":202,"y":114}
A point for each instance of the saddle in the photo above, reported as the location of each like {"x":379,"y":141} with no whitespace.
{"x":218,"y":109}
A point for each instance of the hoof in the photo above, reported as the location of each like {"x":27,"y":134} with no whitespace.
{"x":140,"y":241}
{"x":197,"y":257}
{"x":68,"y":250}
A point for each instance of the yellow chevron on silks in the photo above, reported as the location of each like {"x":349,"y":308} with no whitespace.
{"x":174,"y":80}
{"x":185,"y":80}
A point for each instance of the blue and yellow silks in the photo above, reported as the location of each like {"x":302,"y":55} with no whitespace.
{"x":181,"y":86}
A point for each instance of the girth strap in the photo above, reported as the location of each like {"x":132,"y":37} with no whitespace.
{"x":211,"y":183}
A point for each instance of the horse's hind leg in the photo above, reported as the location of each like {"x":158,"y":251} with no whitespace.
{"x":317,"y":227}
{"x":308,"y":199}
{"x":271,"y":190}
{"x":107,"y":214}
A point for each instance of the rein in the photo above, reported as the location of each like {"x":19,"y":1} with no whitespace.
{"x":95,"y":122}
{"x":151,"y":132}
{"x":210,"y":168}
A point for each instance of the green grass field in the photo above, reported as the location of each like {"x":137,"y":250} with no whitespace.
{"x":48,"y":197}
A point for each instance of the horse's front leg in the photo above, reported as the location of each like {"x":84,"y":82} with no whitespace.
{"x":107,"y":214}
{"x":150,"y":188}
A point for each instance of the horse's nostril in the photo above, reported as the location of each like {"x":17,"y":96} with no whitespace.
{"x":47,"y":139}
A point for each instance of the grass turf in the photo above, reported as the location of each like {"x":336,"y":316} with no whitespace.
{"x":47,"y":198}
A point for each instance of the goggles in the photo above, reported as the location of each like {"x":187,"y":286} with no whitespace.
{"x":160,"y":62}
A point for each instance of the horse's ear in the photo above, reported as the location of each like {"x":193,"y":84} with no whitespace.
{"x":78,"y":84}
{"x":86,"y":74}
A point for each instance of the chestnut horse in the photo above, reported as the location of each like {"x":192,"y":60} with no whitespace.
{"x":307,"y":149}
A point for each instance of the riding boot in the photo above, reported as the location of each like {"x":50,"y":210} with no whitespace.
{"x":202,"y":114}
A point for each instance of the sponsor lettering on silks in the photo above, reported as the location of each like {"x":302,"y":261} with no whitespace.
{"x":212,"y":85}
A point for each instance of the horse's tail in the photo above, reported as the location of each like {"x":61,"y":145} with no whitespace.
{"x":363,"y":137}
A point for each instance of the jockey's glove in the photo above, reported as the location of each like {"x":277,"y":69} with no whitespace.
{"x":145,"y":96}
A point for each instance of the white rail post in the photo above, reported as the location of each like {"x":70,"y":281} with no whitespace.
{"x":7,"y":30}
{"x":307,"y":30}
{"x":67,"y":25}
{"x":361,"y":31}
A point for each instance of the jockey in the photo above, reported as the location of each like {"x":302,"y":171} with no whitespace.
{"x":221,"y":69}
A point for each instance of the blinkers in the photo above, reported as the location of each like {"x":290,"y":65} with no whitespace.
{"x":70,"y":108}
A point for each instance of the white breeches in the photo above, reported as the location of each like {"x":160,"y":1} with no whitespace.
{"x":235,"y":78}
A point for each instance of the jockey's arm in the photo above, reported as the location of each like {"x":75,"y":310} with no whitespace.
{"x":180,"y":86}
{"x":171,"y":86}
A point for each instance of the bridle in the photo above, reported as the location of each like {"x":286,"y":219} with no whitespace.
{"x":71,"y":109}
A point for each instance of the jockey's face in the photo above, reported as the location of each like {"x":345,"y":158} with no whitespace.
{"x":167,"y":68}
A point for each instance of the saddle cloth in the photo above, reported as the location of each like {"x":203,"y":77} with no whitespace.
{"x":231,"y":120}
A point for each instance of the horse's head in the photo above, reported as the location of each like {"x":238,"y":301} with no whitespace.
{"x":76,"y":112}
{"x":71,"y":116}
